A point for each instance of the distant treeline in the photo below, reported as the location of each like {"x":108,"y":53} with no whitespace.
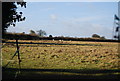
{"x":22,"y":36}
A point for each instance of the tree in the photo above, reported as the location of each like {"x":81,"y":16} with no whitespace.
{"x":50,"y":36}
{"x":32,"y":32}
{"x":9,"y":14}
{"x":95,"y":36}
{"x":41,"y":33}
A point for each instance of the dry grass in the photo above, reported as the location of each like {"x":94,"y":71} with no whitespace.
{"x":85,"y":55}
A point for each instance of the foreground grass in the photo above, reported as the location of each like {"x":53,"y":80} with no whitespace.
{"x":74,"y":55}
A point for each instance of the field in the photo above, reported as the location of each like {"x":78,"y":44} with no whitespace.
{"x":63,"y":57}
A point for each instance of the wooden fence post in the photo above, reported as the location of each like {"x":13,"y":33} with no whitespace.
{"x":18,"y":53}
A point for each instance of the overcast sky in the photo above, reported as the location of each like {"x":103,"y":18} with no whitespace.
{"x":73,"y":19}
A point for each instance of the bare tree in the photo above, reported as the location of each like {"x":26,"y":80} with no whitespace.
{"x":41,"y":33}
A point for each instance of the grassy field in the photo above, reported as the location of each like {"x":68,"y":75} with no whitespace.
{"x":62,"y":56}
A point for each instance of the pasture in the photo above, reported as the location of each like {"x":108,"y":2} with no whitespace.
{"x":63,"y":57}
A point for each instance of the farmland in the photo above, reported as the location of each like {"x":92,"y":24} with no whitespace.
{"x":74,"y":55}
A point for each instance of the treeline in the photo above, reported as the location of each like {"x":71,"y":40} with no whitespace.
{"x":22,"y":36}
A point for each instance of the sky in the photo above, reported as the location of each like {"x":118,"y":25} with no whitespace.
{"x":69,"y":19}
{"x":72,"y":0}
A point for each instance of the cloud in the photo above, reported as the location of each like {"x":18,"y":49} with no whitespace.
{"x":83,"y":27}
{"x":84,"y":19}
{"x":53,"y":17}
{"x":102,"y":30}
{"x":74,"y":22}
{"x":48,"y":9}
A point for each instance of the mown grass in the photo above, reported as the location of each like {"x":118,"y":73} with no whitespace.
{"x":85,"y":55}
